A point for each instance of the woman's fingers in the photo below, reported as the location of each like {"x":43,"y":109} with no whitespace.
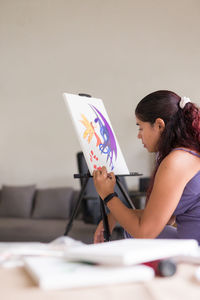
{"x":111,"y":175}
{"x":98,"y":174}
{"x":99,"y":237}
{"x":104,"y":182}
{"x":104,"y":171}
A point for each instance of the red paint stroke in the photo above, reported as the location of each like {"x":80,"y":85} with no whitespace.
{"x":93,"y":157}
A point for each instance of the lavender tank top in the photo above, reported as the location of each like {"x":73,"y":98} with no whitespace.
{"x":187,"y":211}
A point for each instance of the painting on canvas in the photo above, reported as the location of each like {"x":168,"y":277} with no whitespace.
{"x":95,"y":133}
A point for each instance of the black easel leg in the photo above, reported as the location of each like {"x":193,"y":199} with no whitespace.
{"x":106,"y":232}
{"x":124,"y":192}
{"x":68,"y":227}
{"x":107,"y":236}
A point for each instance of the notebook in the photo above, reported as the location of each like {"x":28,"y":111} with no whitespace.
{"x":56,"y":273}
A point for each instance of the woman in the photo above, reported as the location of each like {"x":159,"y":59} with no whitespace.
{"x":170,"y":126}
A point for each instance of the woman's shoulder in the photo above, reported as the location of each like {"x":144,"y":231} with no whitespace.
{"x":186,"y":150}
{"x":187,"y":154}
{"x":179,"y":160}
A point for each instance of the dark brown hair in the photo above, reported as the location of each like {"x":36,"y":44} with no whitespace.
{"x":182,"y":126}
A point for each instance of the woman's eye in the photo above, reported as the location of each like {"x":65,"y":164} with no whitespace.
{"x":140,"y":129}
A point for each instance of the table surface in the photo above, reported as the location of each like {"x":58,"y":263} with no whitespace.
{"x":15,"y":283}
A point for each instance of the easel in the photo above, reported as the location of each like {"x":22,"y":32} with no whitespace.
{"x":86,"y":176}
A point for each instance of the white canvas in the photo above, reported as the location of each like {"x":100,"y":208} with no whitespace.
{"x":95,"y":133}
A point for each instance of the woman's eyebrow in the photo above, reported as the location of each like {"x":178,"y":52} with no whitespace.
{"x":137,"y":124}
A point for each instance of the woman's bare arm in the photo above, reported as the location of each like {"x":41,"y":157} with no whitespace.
{"x":169,"y":184}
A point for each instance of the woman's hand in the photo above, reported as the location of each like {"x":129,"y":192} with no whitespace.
{"x":99,"y":236}
{"x":104,"y":182}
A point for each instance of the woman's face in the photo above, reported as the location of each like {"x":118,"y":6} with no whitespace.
{"x":150,"y":133}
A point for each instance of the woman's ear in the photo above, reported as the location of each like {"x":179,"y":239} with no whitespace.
{"x":160,"y":124}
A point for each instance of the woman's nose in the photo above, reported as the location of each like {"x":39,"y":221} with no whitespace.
{"x":139,"y":135}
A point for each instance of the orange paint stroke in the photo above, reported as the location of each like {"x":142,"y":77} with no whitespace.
{"x":97,"y":137}
{"x":89,"y":131}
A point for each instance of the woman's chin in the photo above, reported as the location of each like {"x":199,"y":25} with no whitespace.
{"x":149,"y":150}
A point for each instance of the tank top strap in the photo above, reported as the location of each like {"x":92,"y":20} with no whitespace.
{"x":186,"y":150}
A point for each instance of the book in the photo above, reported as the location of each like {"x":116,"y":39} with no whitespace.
{"x":131,"y":251}
{"x":57,"y":273}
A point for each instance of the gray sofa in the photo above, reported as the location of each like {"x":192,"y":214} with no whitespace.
{"x":31,"y":214}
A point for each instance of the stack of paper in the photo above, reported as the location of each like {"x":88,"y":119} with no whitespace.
{"x":67,"y":263}
{"x":107,"y":263}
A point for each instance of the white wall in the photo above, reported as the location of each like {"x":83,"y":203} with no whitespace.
{"x":117,"y":50}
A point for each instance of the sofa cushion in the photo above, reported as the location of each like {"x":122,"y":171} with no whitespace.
{"x":53,"y":203}
{"x":16,"y":201}
{"x":43,"y":230}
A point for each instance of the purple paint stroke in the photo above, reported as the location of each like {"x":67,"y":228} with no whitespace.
{"x":110,"y":143}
